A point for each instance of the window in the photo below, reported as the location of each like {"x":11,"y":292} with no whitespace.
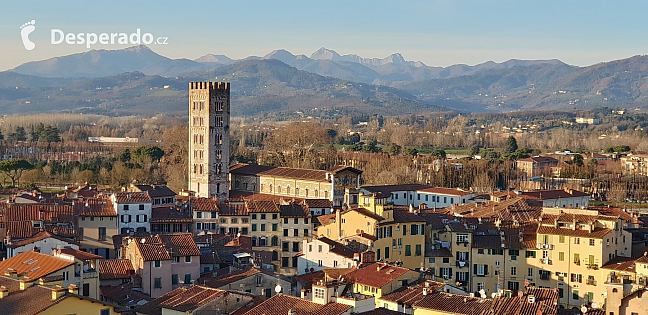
{"x":234,"y":220}
{"x":187,"y":279}
{"x":174,"y":279}
{"x":577,"y":258}
{"x":305,"y":232}
{"x":561,"y":256}
{"x":274,"y":216}
{"x":157,"y":264}
{"x":513,"y":271}
{"x":577,"y":240}
{"x":408,"y":250}
{"x":462,"y":238}
{"x":215,"y":214}
{"x":275,"y":226}
{"x":480,"y":270}
{"x":319,"y":293}
{"x":319,"y":248}
{"x":530,"y":253}
{"x":296,"y":232}
{"x":284,"y":261}
{"x":295,"y":246}
{"x":480,"y":286}
{"x":530,"y":272}
{"x":125,"y":207}
{"x":285,"y":246}
{"x":141,"y":207}
{"x":176,"y":259}
{"x":513,"y":285}
{"x":187,"y":259}
{"x":561,"y":239}
{"x":418,"y":250}
{"x":254,"y":227}
{"x":591,"y":242}
{"x":105,"y":311}
{"x":157,"y":283}
{"x":446,"y":273}
{"x":263,"y":227}
{"x":446,"y":260}
{"x":254,"y":216}
{"x":560,"y":292}
{"x":263,"y":217}
{"x":575,"y":294}
{"x":432,"y":260}
{"x":480,"y":251}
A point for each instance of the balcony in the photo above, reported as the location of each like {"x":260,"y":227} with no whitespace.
{"x":591,"y":282}
{"x":546,"y":261}
{"x":592,"y":266}
{"x":577,"y":262}
{"x":462,"y":263}
{"x":545,"y":246}
{"x":545,"y":276}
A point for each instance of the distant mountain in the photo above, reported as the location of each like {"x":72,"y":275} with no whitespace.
{"x":99,"y":63}
{"x":211,"y":58}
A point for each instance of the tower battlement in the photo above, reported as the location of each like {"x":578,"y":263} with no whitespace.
{"x":209,"y":85}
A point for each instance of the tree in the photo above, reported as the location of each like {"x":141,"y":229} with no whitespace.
{"x":14,"y":168}
{"x":511,"y":145}
{"x":394,"y":149}
{"x":18,"y":135}
{"x":147,"y":153}
{"x":438,"y":153}
{"x":577,"y":159}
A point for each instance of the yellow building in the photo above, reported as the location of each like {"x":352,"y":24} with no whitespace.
{"x":379,"y":279}
{"x":572,"y":245}
{"x":348,"y":222}
{"x":401,"y":238}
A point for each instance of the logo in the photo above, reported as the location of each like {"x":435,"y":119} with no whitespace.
{"x":25,"y":30}
{"x":90,"y":39}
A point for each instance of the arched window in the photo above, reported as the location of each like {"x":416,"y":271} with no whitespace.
{"x":270,"y":188}
{"x":288,"y":190}
{"x":326,"y":194}
{"x":274,"y":241}
{"x":316,"y":193}
{"x":296,"y":191}
{"x":275,"y":255}
{"x":306,"y":192}
{"x":263,"y":241}
{"x":254,"y":241}
{"x":278,"y":189}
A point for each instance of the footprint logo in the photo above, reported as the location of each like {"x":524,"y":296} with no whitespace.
{"x":25,"y":30}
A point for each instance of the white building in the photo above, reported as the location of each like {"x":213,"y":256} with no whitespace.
{"x":558,"y":198}
{"x":42,"y":242}
{"x":134,"y":211}
{"x":325,"y":253}
{"x":433,"y":197}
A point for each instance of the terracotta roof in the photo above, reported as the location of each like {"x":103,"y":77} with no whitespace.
{"x":79,"y":254}
{"x":371,"y":276}
{"x":39,"y":237}
{"x":438,"y":252}
{"x":224,"y":277}
{"x":318,"y":203}
{"x":457,"y":227}
{"x":37,"y":212}
{"x":280,"y":304}
{"x":381,"y":311}
{"x":34,"y":265}
{"x":487,"y":241}
{"x":185,"y":300}
{"x":124,"y":295}
{"x":452,"y":303}
{"x":95,"y":207}
{"x":204,"y":204}
{"x":156,"y":191}
{"x":180,"y":244}
{"x":170,"y":214}
{"x":132,"y":197}
{"x":233,"y":210}
{"x":404,"y":216}
{"x":445,"y":191}
{"x":294,"y":210}
{"x":365,"y":212}
{"x":546,"y":302}
{"x":597,"y":233}
{"x":615,"y":212}
{"x":115,"y":269}
{"x":621,"y":264}
{"x":413,"y":293}
{"x":539,"y":159}
{"x":281,"y":172}
{"x":262,"y":206}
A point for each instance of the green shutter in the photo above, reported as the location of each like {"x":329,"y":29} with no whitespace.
{"x":485,"y":269}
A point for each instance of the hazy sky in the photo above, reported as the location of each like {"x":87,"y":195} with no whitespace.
{"x":439,"y":33}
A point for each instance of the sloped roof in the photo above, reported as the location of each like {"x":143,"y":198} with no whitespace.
{"x":413,"y":293}
{"x":79,"y":254}
{"x":294,"y":210}
{"x":156,"y":191}
{"x":170,"y":214}
{"x":34,"y":265}
{"x":115,"y":269}
{"x":280,"y":304}
{"x":388,"y":189}
{"x":371,"y":276}
{"x":452,"y":303}
{"x":553,"y":194}
{"x":95,"y":207}
{"x":546,"y":302}
{"x":337,"y":248}
{"x":132,"y":197}
{"x":262,"y":206}
{"x":318,"y":203}
{"x":182,"y":299}
{"x":180,"y":244}
{"x":39,"y":237}
{"x":597,"y":233}
{"x":445,"y":191}
{"x":224,"y":277}
{"x":204,"y":204}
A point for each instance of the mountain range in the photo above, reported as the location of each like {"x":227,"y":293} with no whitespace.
{"x":137,"y":80}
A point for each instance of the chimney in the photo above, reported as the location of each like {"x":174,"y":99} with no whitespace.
{"x":57,"y":292}
{"x":292,"y":311}
{"x":3,"y":292}
{"x":422,"y":206}
{"x":531,"y":299}
{"x":303,"y":294}
{"x":25,"y":283}
{"x":10,"y":272}
{"x":73,"y":289}
{"x":411,"y":208}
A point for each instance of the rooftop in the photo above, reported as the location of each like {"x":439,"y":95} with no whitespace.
{"x":115,"y":269}
{"x":280,"y":304}
{"x":34,"y":265}
{"x":377,"y":274}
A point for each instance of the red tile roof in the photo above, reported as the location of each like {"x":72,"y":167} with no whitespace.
{"x":225,"y":277}
{"x":455,"y":304}
{"x":539,"y":159}
{"x":39,"y":237}
{"x":262,"y":206}
{"x":553,"y":194}
{"x":546,"y":302}
{"x":318,"y":203}
{"x":132,"y":197}
{"x":294,"y":210}
{"x":180,"y":244}
{"x":204,"y":204}
{"x":170,"y":214}
{"x":280,"y":304}
{"x":34,"y":265}
{"x":95,"y":208}
{"x":185,"y":300}
{"x":337,"y":248}
{"x":233,"y":210}
{"x":413,"y":293}
{"x":115,"y":269}
{"x":156,"y":191}
{"x":377,"y":274}
{"x":621,"y":264}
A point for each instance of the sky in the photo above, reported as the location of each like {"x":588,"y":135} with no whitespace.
{"x":436,"y":32}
